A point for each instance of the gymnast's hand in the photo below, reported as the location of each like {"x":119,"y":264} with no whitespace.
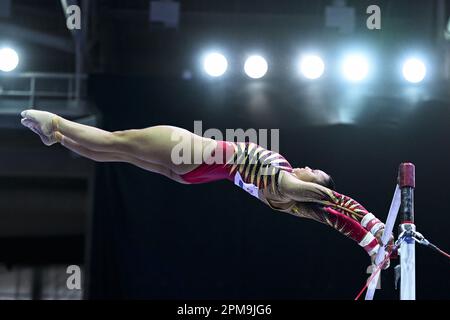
{"x":388,"y":247}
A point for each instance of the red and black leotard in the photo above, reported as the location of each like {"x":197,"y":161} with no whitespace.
{"x":253,"y":167}
{"x":255,"y":164}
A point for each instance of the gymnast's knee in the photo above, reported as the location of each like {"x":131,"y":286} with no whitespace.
{"x":121,"y":141}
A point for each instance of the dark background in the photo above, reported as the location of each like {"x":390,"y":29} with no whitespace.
{"x":154,"y":238}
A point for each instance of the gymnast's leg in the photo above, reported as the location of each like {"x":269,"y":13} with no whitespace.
{"x":152,"y":145}
{"x":45,"y":124}
{"x":100,"y":156}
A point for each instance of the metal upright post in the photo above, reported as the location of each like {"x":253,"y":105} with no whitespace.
{"x":407,"y":248}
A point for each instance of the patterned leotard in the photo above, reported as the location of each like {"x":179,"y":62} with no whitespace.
{"x":254,"y":164}
{"x":255,"y":168}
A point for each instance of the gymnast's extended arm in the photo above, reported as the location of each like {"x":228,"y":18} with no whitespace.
{"x":334,"y":209}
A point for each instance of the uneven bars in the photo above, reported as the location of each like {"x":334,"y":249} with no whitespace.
{"x":403,"y":203}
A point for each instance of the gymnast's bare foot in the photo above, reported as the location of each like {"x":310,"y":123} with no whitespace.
{"x":43,"y":123}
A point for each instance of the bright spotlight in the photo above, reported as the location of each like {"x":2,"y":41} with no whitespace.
{"x":312,"y":67}
{"x":414,"y":70}
{"x":355,"y":67}
{"x":215,"y":64}
{"x":8,"y":59}
{"x":255,"y":67}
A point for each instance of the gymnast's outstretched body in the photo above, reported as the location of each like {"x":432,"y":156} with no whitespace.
{"x":265,"y":174}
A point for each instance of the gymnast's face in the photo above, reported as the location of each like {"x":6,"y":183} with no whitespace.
{"x":309,"y":175}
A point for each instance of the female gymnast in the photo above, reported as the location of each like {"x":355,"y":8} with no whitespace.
{"x":174,"y":153}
